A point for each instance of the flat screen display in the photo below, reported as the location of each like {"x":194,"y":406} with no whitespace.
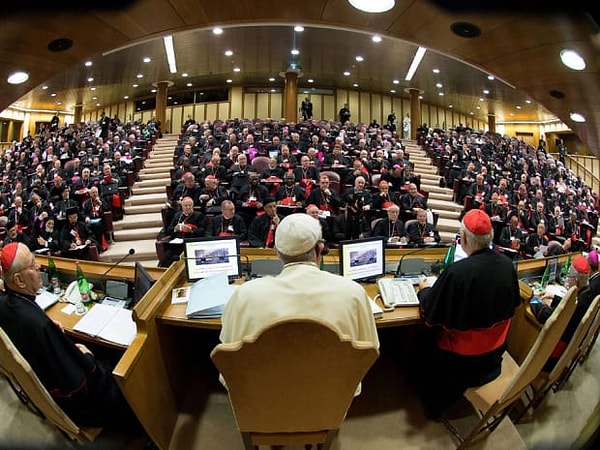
{"x":210,"y":255}
{"x":362,"y":259}
{"x":142,"y":282}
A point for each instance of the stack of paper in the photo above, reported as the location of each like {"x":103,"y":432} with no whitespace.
{"x":208,"y":297}
{"x":109,"y":323}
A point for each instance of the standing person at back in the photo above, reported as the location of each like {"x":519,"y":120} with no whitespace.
{"x":301,"y":290}
{"x":469,"y":309}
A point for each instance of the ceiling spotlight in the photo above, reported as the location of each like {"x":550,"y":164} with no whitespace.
{"x":184,"y":75}
{"x":272,"y":79}
{"x":53,"y":95}
{"x":228,"y":53}
{"x":217,"y":30}
{"x":373,"y":6}
{"x":572,"y":59}
{"x":354,"y":84}
{"x":393,"y":91}
{"x":135,"y":85}
{"x":491,"y":77}
{"x":44,"y":87}
{"x":19,"y":77}
{"x":147,"y":59}
{"x":295,"y":51}
{"x":189,"y":85}
{"x":576,"y":117}
{"x":396,"y":81}
{"x":88,"y":64}
{"x":441,"y":94}
{"x":125,"y":97}
{"x":435,"y":70}
{"x":139,"y":75}
{"x":229,"y":80}
{"x":486,"y":91}
{"x":299,"y":28}
{"x":376,"y":38}
{"x":439,"y":85}
{"x":236,"y":69}
{"x":346,"y":74}
{"x":359,"y":58}
{"x":90,"y":79}
{"x":310,"y":80}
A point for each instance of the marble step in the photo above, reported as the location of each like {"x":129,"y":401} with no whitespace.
{"x":144,"y":209}
{"x":146,"y":199}
{"x":136,"y":234}
{"x":152,"y":181}
{"x":135,"y":190}
{"x":156,"y":169}
{"x":138,"y":221}
{"x":145,"y":252}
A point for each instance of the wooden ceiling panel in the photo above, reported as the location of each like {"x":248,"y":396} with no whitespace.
{"x":518,"y":48}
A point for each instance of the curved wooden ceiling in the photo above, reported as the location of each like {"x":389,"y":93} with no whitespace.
{"x":519,"y":48}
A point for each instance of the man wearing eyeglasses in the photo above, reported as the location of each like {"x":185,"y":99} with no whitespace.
{"x":81,"y":385}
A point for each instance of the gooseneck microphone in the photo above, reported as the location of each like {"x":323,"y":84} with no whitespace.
{"x":112,"y":266}
{"x":399,"y":272}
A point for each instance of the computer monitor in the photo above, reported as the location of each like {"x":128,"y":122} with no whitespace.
{"x":362,"y":259}
{"x":552,"y":263}
{"x":142,"y":282}
{"x":206,"y":256}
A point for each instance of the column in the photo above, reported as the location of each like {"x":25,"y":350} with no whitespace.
{"x":161,"y":102}
{"x":492,"y":123}
{"x":415,"y":111}
{"x":290,"y":97}
{"x":77,"y":114}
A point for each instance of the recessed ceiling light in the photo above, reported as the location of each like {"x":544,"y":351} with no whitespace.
{"x":126,"y":97}
{"x":295,"y":51}
{"x":441,"y":94}
{"x":275,"y":90}
{"x":373,"y":6}
{"x":88,"y":64}
{"x":376,"y":38}
{"x":420,"y":97}
{"x":92,"y":88}
{"x":450,"y":106}
{"x":189,"y":84}
{"x":486,"y":92}
{"x":528,"y":101}
{"x":44,"y":87}
{"x":346,"y":74}
{"x":153,"y":91}
{"x":53,"y":95}
{"x":139,"y":75}
{"x":393,"y":91}
{"x":90,"y":79}
{"x":299,"y":28}
{"x":147,"y":59}
{"x":472,"y":113}
{"x":435,"y":70}
{"x":518,"y":106}
{"x":439,"y":85}
{"x":94,"y":98}
{"x":491,"y":77}
{"x":237,"y":69}
{"x":396,"y":81}
{"x":576,"y":117}
{"x":354,"y":84}
{"x":480,"y":99}
{"x":310,"y":80}
{"x":465,"y":29}
{"x":572,"y":59}
{"x":228,"y":80}
{"x":184,"y":74}
{"x":97,"y":104}
{"x":359,"y":58}
{"x":272,"y":79}
{"x":59,"y":102}
{"x":217,"y":30}
{"x":228,"y":53}
{"x":18,"y":77}
{"x":478,"y":107}
{"x":135,"y":85}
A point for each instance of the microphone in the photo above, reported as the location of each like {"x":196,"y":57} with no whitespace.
{"x":129,"y":253}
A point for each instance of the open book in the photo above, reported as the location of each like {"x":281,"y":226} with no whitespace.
{"x":207,"y":297}
{"x":110,"y":323}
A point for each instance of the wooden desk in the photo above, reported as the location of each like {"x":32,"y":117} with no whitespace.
{"x":170,"y":351}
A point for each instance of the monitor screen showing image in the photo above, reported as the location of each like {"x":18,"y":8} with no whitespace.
{"x":552,"y":263}
{"x":210,"y":255}
{"x":362,"y":259}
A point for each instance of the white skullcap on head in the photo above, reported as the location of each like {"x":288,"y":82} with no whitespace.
{"x":297,"y":234}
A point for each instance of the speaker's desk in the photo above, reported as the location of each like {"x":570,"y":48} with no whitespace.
{"x":170,"y":352}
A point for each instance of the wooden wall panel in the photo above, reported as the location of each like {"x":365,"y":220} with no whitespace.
{"x":262,"y":106}
{"x":249,"y":110}
{"x":362,"y":114}
{"x":276,"y":107}
{"x":223,"y":110}
{"x":211,"y":111}
{"x":386,"y":108}
{"x":177,"y":119}
{"x":354,"y":105}
{"x":329,"y":110}
{"x":236,"y":100}
{"x":376,"y":112}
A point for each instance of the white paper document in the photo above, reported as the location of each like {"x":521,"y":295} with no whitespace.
{"x":46,"y":299}
{"x":109,"y":323}
{"x":208,"y":296}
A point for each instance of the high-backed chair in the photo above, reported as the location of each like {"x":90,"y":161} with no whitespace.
{"x":260,"y":163}
{"x":334,"y":180}
{"x":302,"y":395}
{"x":34,"y":395}
{"x":495,"y":399}
{"x":567,"y":362}
{"x":589,"y":339}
